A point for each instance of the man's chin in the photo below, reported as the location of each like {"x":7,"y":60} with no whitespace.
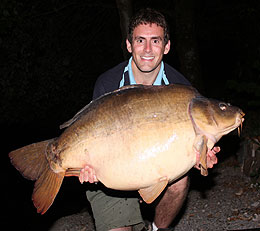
{"x":146,"y":70}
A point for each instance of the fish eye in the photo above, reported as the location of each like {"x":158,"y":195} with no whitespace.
{"x":223,"y":106}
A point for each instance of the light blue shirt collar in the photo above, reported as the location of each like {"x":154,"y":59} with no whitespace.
{"x":158,"y":81}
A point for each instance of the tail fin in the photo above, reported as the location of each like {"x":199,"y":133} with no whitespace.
{"x":31,"y":162}
{"x":46,"y":189}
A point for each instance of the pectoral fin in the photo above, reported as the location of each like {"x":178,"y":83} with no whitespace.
{"x":201,"y":147}
{"x":203,"y":159}
{"x":149,"y":194}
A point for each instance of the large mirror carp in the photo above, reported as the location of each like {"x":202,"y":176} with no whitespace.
{"x":135,"y":138}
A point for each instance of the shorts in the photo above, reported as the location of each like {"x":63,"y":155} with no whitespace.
{"x":114,"y":209}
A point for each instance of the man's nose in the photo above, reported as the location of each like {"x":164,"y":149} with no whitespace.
{"x":147,"y":47}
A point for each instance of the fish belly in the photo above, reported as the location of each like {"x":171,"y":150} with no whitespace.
{"x":138,"y":158}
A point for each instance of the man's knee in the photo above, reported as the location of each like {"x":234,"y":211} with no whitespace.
{"x":179,"y":187}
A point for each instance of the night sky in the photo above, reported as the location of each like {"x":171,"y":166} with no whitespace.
{"x":53,"y":51}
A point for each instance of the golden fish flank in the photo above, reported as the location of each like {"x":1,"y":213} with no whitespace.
{"x":135,"y":138}
{"x":152,"y":152}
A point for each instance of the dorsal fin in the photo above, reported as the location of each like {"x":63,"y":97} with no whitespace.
{"x":79,"y":113}
{"x":130,"y":87}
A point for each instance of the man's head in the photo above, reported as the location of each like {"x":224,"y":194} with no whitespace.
{"x":148,"y":16}
{"x":148,"y":40}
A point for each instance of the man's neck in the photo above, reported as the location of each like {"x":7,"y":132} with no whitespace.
{"x":144,"y":78}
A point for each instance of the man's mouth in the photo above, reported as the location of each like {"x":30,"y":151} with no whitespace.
{"x":147,"y":57}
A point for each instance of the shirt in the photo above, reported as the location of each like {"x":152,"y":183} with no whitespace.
{"x":110,"y":80}
{"x":160,"y":79}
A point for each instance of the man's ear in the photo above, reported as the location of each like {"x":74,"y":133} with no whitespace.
{"x":167,"y":47}
{"x":128,"y":46}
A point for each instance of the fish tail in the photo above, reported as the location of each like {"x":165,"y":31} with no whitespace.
{"x":30,"y":160}
{"x":46,"y":189}
{"x":32,"y":163}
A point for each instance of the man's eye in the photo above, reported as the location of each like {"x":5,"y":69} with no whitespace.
{"x":140,"y":40}
{"x":156,"y":41}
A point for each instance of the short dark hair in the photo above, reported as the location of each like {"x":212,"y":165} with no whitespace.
{"x":148,"y":16}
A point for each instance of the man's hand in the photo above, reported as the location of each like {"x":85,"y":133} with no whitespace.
{"x":87,"y":174}
{"x":211,"y":158}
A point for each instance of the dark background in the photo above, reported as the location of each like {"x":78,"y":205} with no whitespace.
{"x":51,"y":53}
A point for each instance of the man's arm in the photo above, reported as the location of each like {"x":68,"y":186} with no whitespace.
{"x":99,"y":89}
{"x":109,"y":81}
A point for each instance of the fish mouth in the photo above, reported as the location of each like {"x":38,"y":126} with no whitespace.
{"x":238,"y":123}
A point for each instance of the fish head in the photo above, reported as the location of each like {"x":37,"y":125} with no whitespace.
{"x":214,"y":118}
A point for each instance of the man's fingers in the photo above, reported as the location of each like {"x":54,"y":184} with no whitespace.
{"x":90,"y":176}
{"x":81,"y":176}
{"x":87,"y":174}
{"x":215,"y":150}
{"x":211,"y":157}
{"x":87,"y":177}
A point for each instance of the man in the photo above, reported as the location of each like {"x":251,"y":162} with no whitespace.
{"x":148,"y":40}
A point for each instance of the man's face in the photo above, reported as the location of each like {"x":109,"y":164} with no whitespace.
{"x":148,"y":47}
